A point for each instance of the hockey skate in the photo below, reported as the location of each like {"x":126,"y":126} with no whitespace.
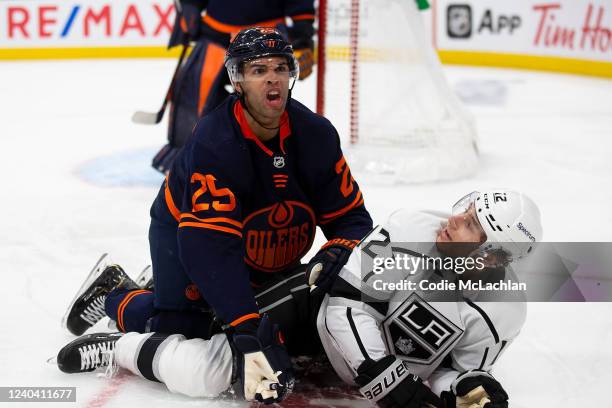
{"x":88,"y":353}
{"x":87,"y":307}
{"x":145,"y":279}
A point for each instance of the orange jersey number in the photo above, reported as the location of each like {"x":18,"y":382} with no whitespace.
{"x":207,"y":184}
{"x":346,"y":186}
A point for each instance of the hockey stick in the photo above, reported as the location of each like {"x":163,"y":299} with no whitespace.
{"x":153,"y":118}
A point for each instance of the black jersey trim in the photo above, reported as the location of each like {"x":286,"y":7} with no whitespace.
{"x":484,"y":359}
{"x":343,"y":289}
{"x":349,"y":316}
{"x":486,"y":318}
{"x":504,"y":342}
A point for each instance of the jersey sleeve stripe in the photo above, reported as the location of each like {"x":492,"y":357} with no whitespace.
{"x":303,"y":17}
{"x":486,"y":318}
{"x":349,"y":243}
{"x":169,"y":201}
{"x":356,"y":202}
{"x":211,"y":226}
{"x":349,"y":316}
{"x":244,"y":318}
{"x":503,"y":344}
{"x":212,"y":219}
{"x":484,"y":358}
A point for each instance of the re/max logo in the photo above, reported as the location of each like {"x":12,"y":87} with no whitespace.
{"x":37,"y":21}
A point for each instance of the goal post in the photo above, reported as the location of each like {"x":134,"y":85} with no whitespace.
{"x":380,"y":82}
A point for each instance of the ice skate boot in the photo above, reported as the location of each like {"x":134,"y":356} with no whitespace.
{"x":87,"y":307}
{"x":88,"y":353}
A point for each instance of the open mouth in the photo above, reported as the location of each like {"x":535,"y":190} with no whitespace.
{"x":273,"y":95}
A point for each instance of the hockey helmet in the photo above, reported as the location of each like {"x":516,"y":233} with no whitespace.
{"x":510,"y":219}
{"x":254,"y":43}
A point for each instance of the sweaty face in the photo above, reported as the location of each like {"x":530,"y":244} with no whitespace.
{"x":266,"y":87}
{"x":461,"y":235}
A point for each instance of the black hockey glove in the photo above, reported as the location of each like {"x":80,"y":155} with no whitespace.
{"x":191,"y":18}
{"x":187,"y":23}
{"x":263,"y":369}
{"x":475,"y":388}
{"x":388,"y":383}
{"x":303,"y":46}
{"x":323,"y":268}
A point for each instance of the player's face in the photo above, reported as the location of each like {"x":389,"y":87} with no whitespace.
{"x":266,"y":87}
{"x":461,"y":235}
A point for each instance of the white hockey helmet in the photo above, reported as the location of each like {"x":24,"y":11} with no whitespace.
{"x":510,"y":219}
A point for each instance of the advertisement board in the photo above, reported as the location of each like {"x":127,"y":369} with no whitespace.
{"x":55,"y":28}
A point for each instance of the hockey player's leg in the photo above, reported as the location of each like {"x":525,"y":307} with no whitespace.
{"x":196,"y":367}
{"x":179,"y":308}
{"x":173,"y":289}
{"x":131,"y":309}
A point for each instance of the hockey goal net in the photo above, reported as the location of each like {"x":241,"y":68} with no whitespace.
{"x":381,"y":84}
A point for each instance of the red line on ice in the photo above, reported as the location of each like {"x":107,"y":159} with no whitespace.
{"x":110,"y":390}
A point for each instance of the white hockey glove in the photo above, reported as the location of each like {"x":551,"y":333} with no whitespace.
{"x":388,"y":383}
{"x":475,"y":389}
{"x":263,"y":369}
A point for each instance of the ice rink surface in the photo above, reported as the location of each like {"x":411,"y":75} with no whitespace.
{"x":76,"y":182}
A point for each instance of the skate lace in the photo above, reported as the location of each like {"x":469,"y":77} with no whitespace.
{"x":112,"y":367}
{"x":94,"y":311}
{"x":96,"y":355}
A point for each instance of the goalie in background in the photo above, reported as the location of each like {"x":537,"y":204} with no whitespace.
{"x":366,"y":342}
{"x":201,"y":82}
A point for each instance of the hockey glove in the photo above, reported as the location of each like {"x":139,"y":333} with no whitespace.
{"x":323,"y":268}
{"x":476,"y":389}
{"x":305,"y":58}
{"x":191,"y":19}
{"x":263,"y":367}
{"x":388,"y":383}
{"x":301,"y":39}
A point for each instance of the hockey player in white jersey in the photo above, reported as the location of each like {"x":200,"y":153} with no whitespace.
{"x":386,"y":345}
{"x":388,"y":341}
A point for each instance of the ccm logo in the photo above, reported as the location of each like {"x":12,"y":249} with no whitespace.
{"x":392,"y":375}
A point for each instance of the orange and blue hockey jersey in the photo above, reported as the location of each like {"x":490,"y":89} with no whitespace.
{"x":245,"y":209}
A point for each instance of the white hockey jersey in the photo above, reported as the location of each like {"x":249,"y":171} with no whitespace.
{"x":437,"y":340}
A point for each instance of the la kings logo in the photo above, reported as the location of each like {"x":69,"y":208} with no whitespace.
{"x":418,"y":333}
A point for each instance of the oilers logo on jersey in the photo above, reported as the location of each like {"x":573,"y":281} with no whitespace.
{"x":279,"y":235}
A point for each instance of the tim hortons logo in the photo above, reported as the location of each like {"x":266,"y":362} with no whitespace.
{"x":418,"y":333}
{"x":279,"y":235}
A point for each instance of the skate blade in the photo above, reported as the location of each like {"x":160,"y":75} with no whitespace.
{"x":52,"y":360}
{"x":144,"y":276}
{"x":96,"y":271}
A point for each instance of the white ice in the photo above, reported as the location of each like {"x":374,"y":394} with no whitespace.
{"x":76,"y":182}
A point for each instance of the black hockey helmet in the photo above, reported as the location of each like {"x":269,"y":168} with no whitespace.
{"x":258,"y":42}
